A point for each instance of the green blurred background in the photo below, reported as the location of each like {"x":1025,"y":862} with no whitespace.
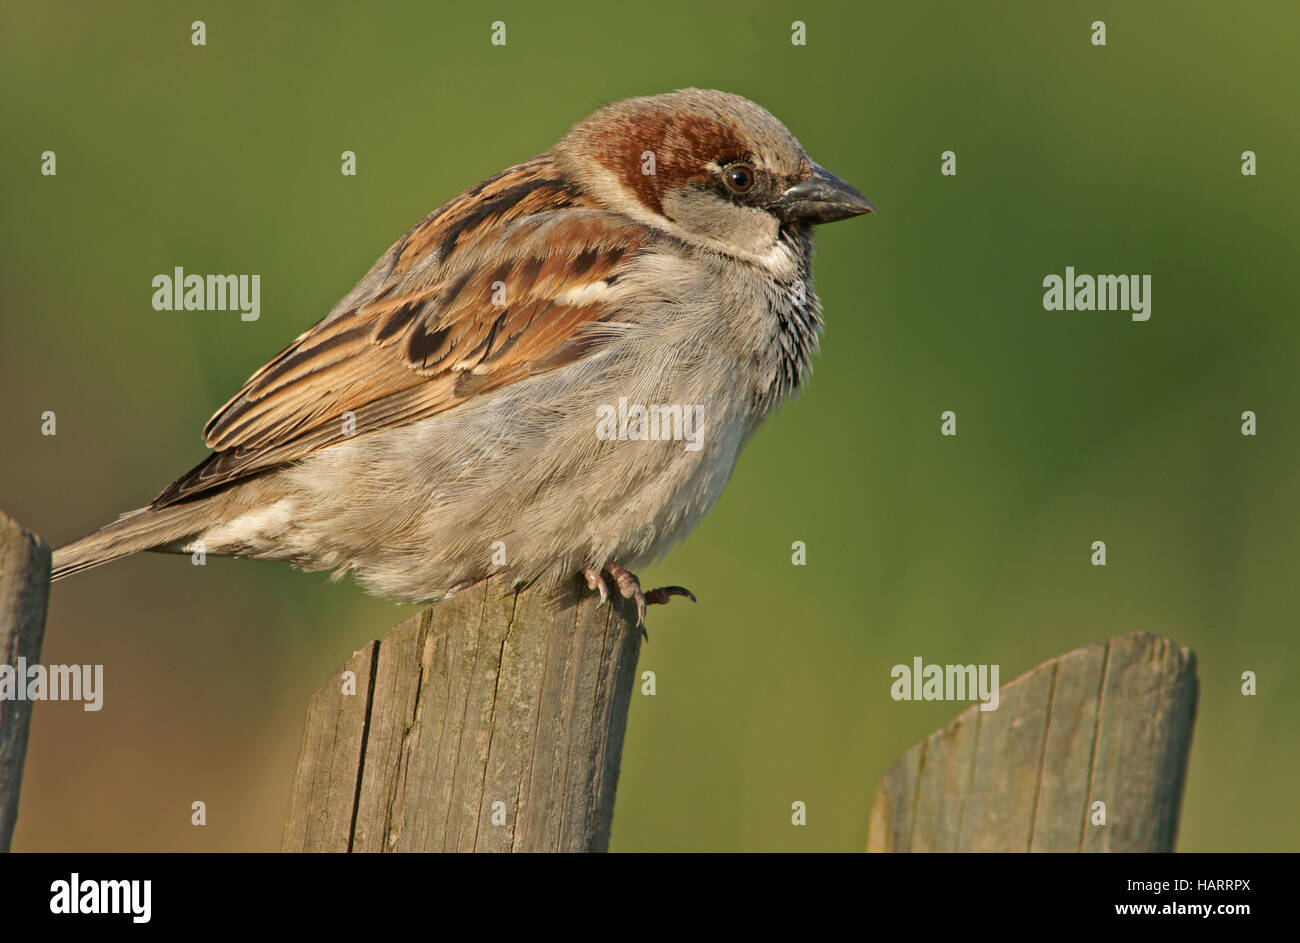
{"x":1073,"y":426}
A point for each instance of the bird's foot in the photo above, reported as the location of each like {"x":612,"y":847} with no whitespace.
{"x":629,"y":587}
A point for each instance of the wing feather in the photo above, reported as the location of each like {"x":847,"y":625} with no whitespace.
{"x":499,"y":284}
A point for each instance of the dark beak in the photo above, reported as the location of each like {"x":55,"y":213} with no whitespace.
{"x":821,"y":198}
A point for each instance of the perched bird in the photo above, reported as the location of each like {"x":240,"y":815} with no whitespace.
{"x":464,"y":410}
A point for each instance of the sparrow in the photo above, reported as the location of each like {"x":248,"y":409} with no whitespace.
{"x":464,"y":410}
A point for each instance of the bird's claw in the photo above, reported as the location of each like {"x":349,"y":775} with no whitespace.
{"x":660,"y":596}
{"x":629,"y":587}
{"x":596,"y":582}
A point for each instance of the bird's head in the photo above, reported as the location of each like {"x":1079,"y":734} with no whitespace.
{"x":708,"y":166}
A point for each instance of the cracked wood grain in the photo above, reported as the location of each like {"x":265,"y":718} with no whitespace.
{"x":24,"y":593}
{"x":1110,"y":722}
{"x":495,"y":704}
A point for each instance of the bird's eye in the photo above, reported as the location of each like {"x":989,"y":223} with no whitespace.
{"x":739,"y":177}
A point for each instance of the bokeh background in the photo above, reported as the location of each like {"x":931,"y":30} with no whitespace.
{"x":1073,"y":426}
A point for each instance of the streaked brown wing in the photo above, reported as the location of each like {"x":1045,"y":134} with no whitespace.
{"x":483,"y":292}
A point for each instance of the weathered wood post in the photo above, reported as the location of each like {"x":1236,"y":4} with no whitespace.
{"x":1109,"y":723}
{"x":492,"y":722}
{"x":24,"y":592}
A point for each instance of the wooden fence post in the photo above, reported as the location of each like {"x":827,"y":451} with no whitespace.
{"x":1109,"y":723}
{"x":24,"y":592}
{"x":492,"y":722}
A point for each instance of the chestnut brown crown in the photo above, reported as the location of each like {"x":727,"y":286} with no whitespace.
{"x":706,"y":164}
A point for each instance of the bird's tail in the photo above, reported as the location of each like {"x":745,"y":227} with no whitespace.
{"x":146,"y":529}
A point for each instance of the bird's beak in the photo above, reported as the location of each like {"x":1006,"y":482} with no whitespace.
{"x":821,"y":198}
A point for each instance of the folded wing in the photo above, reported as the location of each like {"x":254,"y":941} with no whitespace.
{"x":504,"y":282}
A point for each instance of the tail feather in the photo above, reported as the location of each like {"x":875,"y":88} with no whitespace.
{"x":145,"y":529}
